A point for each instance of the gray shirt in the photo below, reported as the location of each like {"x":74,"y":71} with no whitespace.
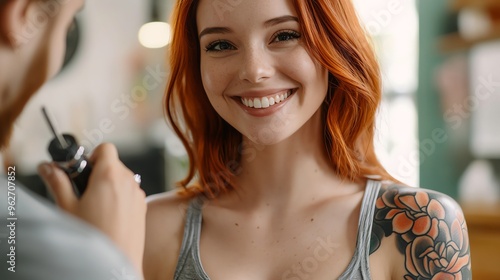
{"x":40,"y":242}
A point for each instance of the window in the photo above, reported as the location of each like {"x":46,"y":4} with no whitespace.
{"x":393,"y":25}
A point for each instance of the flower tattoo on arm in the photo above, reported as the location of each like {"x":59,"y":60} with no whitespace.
{"x":430,"y":231}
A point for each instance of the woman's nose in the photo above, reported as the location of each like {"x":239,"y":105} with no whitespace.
{"x":256,"y":66}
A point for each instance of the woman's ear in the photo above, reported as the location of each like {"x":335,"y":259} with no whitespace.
{"x":14,"y":22}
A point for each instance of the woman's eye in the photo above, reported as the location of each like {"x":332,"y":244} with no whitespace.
{"x":219,"y":46}
{"x":284,"y":36}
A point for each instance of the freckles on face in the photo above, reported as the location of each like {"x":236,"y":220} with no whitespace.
{"x":256,"y":53}
{"x":244,"y":36}
{"x":301,"y":67}
{"x":214,"y":76}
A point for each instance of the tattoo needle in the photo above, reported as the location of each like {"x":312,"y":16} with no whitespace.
{"x":58,"y":136}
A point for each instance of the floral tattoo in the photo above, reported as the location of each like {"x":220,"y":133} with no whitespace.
{"x":430,"y":233}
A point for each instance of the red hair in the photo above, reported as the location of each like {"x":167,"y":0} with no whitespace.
{"x":333,"y":36}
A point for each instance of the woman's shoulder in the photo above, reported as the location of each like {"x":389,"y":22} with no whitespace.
{"x":168,"y":201}
{"x":414,"y":198}
{"x":166,"y":210}
{"x":429,"y":230}
{"x":164,"y":231}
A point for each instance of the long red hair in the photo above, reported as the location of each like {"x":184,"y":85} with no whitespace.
{"x":334,"y":36}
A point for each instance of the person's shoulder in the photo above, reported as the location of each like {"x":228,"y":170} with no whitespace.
{"x":417,"y":203}
{"x":429,"y":231}
{"x":415,"y":198}
{"x":39,"y":227}
{"x":165,"y":221}
{"x":167,"y":208}
{"x":168,"y":201}
{"x":167,"y":211}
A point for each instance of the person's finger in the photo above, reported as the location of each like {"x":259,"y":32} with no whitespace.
{"x":105,"y":151}
{"x":59,"y":185}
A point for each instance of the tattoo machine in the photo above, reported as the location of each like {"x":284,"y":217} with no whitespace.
{"x":70,"y":157}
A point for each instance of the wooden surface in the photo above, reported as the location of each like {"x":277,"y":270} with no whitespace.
{"x":459,"y":4}
{"x":483,"y":221}
{"x":455,"y":42}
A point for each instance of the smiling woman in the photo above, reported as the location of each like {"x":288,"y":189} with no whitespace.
{"x":353,"y":78}
{"x":275,"y":102}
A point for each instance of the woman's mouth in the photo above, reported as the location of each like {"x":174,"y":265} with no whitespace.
{"x":266,"y":102}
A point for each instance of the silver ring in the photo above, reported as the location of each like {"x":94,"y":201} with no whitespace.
{"x":137,"y":178}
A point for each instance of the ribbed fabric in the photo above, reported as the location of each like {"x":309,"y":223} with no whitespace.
{"x":189,"y":265}
{"x":359,"y":268}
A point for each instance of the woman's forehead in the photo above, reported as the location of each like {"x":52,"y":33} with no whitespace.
{"x":233,"y":12}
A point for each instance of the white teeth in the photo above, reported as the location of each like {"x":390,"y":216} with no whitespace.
{"x":256,"y":103}
{"x":265,"y":102}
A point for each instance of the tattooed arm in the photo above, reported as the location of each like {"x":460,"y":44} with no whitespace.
{"x":430,"y":233}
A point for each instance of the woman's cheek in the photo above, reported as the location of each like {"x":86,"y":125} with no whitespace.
{"x":213,"y":79}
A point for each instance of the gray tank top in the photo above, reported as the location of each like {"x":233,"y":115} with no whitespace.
{"x":189,"y":265}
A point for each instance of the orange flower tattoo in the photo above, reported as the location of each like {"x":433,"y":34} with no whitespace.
{"x":433,"y":240}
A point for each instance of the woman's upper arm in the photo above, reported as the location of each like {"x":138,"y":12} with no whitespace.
{"x":430,"y":232}
{"x":164,"y":230}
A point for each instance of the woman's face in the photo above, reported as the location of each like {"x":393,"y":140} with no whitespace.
{"x":255,"y":68}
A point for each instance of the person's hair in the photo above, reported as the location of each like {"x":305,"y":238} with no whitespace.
{"x":333,"y":36}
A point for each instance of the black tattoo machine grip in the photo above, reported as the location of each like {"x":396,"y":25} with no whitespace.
{"x":73,"y":161}
{"x":70,"y":157}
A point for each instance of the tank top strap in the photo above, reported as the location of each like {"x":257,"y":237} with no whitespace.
{"x":359,"y":267}
{"x":365,"y":225}
{"x":190,"y":241}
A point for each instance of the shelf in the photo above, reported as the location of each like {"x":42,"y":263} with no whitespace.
{"x":483,"y":222}
{"x":454,"y":42}
{"x":459,"y":4}
{"x":482,"y":215}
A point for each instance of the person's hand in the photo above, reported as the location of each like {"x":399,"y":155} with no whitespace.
{"x":113,"y":201}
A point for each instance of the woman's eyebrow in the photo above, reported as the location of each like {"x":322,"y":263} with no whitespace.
{"x":279,"y":20}
{"x":268,"y":23}
{"x":214,"y":30}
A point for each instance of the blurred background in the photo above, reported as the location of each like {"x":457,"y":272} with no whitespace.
{"x":438,"y":125}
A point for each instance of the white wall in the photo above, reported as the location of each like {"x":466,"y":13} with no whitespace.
{"x":484,"y":100}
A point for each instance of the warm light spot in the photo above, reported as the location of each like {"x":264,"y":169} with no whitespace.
{"x":155,"y":35}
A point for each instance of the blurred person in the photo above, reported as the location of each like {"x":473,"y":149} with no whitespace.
{"x":275,"y":102}
{"x":103,"y":235}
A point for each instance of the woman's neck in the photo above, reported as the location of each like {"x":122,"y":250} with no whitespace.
{"x":295,"y":170}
